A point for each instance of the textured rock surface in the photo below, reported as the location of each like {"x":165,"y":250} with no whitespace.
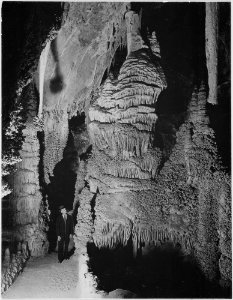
{"x":195,"y":183}
{"x":212,"y":36}
{"x":77,"y":59}
{"x":140,"y":196}
{"x":123,"y":161}
{"x":26,"y":199}
{"x":13,"y":265}
{"x":130,"y":187}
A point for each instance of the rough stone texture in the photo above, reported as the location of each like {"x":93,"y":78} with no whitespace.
{"x":181,"y":201}
{"x":77,"y":60}
{"x":211,"y":27}
{"x":13,"y":265}
{"x":192,"y":180}
{"x":123,"y":161}
{"x":29,"y":211}
{"x":127,"y":188}
{"x":39,"y":27}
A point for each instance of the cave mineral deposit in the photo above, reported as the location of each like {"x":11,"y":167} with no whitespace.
{"x":121,"y":112}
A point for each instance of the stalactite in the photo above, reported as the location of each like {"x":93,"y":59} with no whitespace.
{"x":134,"y":40}
{"x":42,"y":69}
{"x":211,"y":31}
{"x":112,"y":235}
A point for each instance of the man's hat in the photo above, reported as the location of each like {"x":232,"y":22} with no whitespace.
{"x":61,"y":207}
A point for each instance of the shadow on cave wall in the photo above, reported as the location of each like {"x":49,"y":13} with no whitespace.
{"x":57,"y":82}
{"x":165,"y":272}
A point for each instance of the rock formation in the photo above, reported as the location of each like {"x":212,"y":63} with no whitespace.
{"x":123,"y":161}
{"x":212,"y":37}
{"x":13,"y":265}
{"x":26,"y":199}
{"x":146,"y":175}
{"x":86,"y":44}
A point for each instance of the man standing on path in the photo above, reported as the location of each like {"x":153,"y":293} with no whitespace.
{"x":65,"y":231}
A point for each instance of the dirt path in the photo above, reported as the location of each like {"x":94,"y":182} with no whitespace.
{"x":46,"y":278}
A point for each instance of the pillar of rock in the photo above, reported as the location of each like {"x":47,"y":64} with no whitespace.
{"x":26,"y":199}
{"x":211,"y":31}
{"x":123,"y":161}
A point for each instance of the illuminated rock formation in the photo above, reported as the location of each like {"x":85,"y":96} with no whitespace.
{"x":26,"y":199}
{"x":77,"y":60}
{"x":212,"y":40}
{"x":123,"y":162}
{"x":146,"y":171}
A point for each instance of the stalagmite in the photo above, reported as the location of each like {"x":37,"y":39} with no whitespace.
{"x":211,"y":31}
{"x":154,"y":45}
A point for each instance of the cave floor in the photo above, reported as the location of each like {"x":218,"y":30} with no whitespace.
{"x":44,"y":277}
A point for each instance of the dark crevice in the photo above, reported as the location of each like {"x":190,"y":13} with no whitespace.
{"x":118,"y":60}
{"x":61,"y":189}
{"x":105,"y":76}
{"x":40,"y":136}
{"x":86,"y":155}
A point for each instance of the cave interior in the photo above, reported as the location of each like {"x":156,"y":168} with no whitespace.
{"x":76,"y":168}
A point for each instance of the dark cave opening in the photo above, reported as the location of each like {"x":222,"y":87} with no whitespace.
{"x":61,"y":189}
{"x":163,"y":272}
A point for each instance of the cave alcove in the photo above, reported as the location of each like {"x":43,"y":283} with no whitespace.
{"x":61,"y":189}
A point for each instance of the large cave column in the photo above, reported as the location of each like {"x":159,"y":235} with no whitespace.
{"x":27,"y":202}
{"x":210,"y":182}
{"x":123,"y":161}
{"x":211,"y":31}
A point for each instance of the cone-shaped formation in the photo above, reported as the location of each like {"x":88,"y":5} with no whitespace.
{"x":122,"y":121}
{"x":123,"y":117}
{"x":154,"y":45}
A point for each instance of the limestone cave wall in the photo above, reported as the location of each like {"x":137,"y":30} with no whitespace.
{"x":102,"y":99}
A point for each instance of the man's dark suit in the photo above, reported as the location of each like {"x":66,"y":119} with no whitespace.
{"x":64,"y":229}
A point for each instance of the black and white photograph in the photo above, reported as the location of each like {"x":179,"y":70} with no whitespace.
{"x":116,"y":150}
